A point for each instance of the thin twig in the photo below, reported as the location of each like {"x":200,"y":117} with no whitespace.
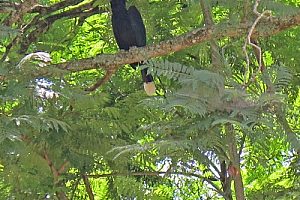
{"x":242,"y":144}
{"x":75,"y":188}
{"x":106,"y":77}
{"x":249,"y":41}
{"x":216,"y":188}
{"x":216,"y":59}
{"x":88,"y":187}
{"x":50,"y":164}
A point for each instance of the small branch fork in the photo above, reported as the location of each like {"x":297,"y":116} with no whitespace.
{"x":258,"y":54}
{"x":254,"y":45}
{"x":55,"y":172}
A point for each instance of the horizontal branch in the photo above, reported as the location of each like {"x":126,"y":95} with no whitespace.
{"x":197,"y":36}
{"x":147,"y":173}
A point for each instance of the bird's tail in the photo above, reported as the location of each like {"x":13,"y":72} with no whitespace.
{"x":149,"y":85}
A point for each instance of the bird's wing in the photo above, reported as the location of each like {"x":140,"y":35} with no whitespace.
{"x":137,"y":26}
{"x":122,"y":31}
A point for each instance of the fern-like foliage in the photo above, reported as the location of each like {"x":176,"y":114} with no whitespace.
{"x":283,"y":77}
{"x":200,"y":90}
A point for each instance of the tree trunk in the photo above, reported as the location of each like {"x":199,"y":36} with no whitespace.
{"x":234,"y":170}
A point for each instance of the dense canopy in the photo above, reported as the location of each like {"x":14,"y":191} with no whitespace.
{"x":75,"y":122}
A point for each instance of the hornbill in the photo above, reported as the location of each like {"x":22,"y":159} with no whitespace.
{"x":129,"y":30}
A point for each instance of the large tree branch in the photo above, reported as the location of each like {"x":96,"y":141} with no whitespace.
{"x":111,"y":62}
{"x":114,"y":61}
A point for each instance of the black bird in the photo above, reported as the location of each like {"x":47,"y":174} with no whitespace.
{"x":129,"y":30}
